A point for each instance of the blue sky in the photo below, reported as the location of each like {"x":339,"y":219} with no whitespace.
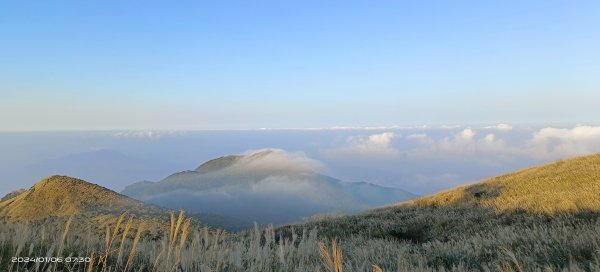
{"x":95,"y":65}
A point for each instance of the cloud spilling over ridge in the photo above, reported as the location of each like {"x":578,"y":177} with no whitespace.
{"x":275,"y":160}
{"x":265,"y":186}
{"x":375,"y":145}
{"x":279,"y":172}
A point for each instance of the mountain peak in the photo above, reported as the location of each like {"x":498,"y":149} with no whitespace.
{"x":81,"y":190}
{"x":218,"y":163}
{"x":262,"y":153}
{"x":57,"y":180}
{"x":65,"y":196}
{"x":227,"y":161}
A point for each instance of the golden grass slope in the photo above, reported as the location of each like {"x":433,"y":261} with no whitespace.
{"x":61,"y":196}
{"x":571,"y":185}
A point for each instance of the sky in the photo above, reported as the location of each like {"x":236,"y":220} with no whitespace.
{"x":227,"y":65}
{"x":418,"y":95}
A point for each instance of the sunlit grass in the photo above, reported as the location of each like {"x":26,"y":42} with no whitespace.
{"x":526,"y":244}
{"x":571,"y":185}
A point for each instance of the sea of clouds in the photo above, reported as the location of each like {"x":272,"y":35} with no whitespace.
{"x":420,"y":159}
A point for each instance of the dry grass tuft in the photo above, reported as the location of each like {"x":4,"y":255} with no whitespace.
{"x":333,"y":262}
{"x":59,"y":249}
{"x":136,"y":240}
{"x":376,"y":268}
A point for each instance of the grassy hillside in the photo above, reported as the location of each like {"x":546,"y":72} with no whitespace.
{"x":571,"y":185}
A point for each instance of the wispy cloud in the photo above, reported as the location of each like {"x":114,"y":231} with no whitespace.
{"x":450,"y":126}
{"x":500,"y":127}
{"x":374,"y":128}
{"x":380,"y":127}
{"x":147,"y":134}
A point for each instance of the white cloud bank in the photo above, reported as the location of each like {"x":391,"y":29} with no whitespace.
{"x":462,"y":143}
{"x":561,"y":142}
{"x":375,"y":145}
{"x":544,"y":144}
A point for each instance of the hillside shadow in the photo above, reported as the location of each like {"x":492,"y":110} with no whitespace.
{"x":484,"y":191}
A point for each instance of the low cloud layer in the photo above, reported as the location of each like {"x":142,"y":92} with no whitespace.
{"x":419,"y":159}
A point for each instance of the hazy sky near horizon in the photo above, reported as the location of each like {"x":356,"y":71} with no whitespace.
{"x":88,"y":65}
{"x":420,"y":159}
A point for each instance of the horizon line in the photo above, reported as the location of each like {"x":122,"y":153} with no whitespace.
{"x":330,"y":128}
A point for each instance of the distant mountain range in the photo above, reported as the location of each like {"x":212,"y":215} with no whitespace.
{"x":267,"y":186}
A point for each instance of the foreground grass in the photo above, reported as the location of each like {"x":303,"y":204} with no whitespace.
{"x":437,"y":239}
{"x":467,"y":239}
